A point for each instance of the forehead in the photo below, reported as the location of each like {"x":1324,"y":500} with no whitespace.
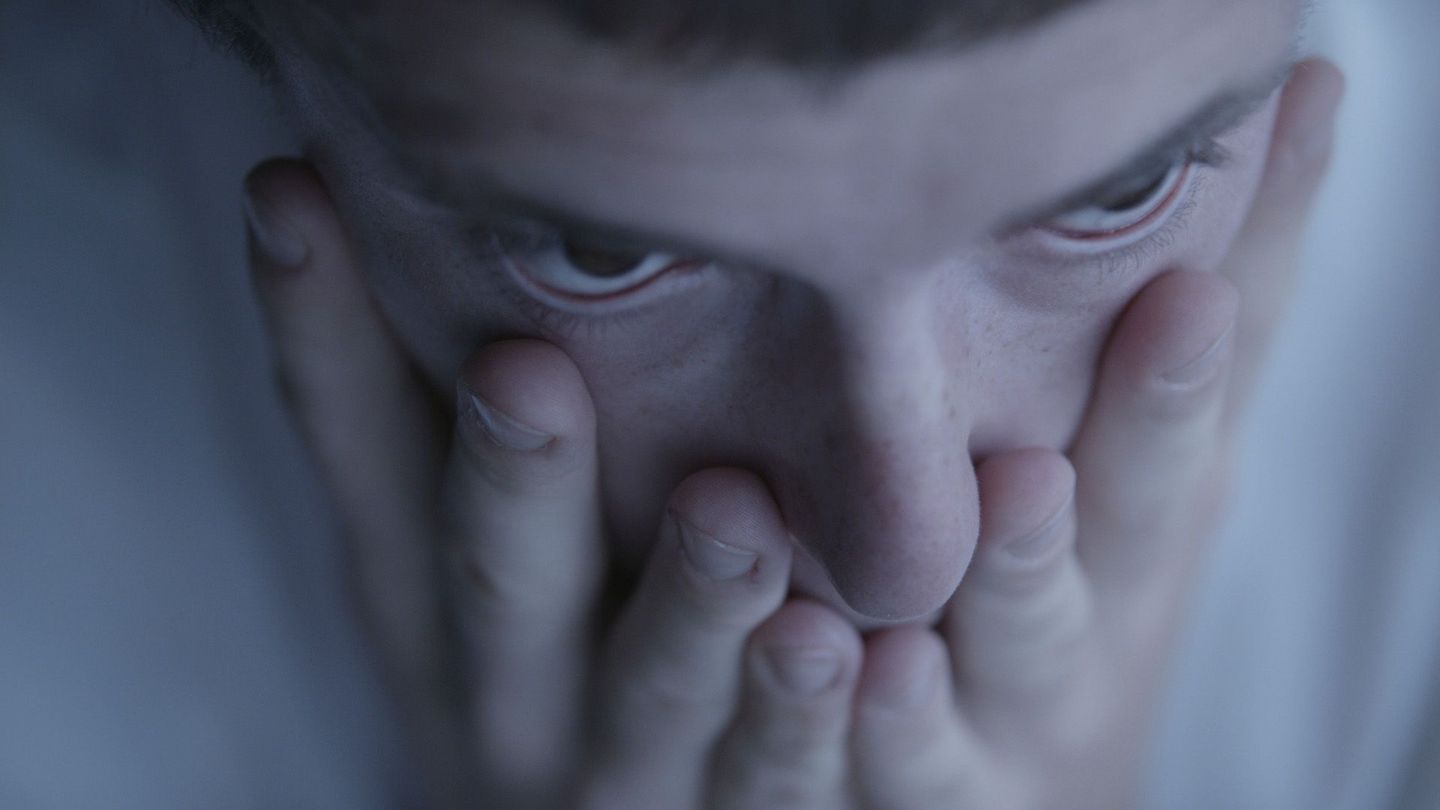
{"x":929,"y":150}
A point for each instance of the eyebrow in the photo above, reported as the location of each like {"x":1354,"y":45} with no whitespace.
{"x":1195,"y":134}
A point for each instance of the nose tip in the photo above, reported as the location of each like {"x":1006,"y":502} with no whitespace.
{"x":899,"y":539}
{"x":881,"y":490}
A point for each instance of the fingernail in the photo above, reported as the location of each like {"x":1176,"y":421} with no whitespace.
{"x":710,"y":557}
{"x":501,"y":428}
{"x":913,"y":690}
{"x":1041,"y":540}
{"x":804,"y":670}
{"x":277,"y":238}
{"x":1202,"y":366}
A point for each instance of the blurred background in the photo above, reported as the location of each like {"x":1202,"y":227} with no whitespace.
{"x":172,"y":630}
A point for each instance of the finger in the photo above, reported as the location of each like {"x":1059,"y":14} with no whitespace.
{"x":672,"y":674}
{"x":911,"y":751}
{"x":524,"y":521}
{"x":1019,"y":625}
{"x":358,"y":403}
{"x":1150,"y":458}
{"x":787,"y":747}
{"x":1266,"y":255}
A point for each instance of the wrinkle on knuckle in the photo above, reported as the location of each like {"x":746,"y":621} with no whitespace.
{"x":521,"y":477}
{"x":668,"y":692}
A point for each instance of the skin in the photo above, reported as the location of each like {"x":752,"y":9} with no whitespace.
{"x":878,"y":337}
{"x":892,"y":367}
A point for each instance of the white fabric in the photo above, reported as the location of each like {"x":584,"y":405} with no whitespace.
{"x":171,"y":631}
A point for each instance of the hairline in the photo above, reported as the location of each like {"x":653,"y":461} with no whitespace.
{"x":1214,"y":117}
{"x":235,"y":27}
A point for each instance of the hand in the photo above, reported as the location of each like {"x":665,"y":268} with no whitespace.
{"x":1054,"y":647}
{"x":496,"y":535}
{"x":1034,"y":693}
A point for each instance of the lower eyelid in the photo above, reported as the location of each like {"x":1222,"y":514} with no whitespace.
{"x":1154,"y":243}
{"x":679,"y":266}
{"x":1178,"y":185}
{"x":1131,"y":256}
{"x":567,"y":315}
{"x":1055,"y":247}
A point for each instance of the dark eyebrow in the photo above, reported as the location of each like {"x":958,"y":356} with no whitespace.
{"x":1195,"y":134}
{"x":500,"y":210}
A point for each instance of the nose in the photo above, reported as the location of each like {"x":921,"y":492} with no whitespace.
{"x":883,"y":494}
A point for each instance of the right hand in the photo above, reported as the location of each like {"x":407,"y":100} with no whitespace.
{"x":478,"y":566}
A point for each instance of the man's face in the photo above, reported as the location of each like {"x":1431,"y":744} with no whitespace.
{"x":856,"y":286}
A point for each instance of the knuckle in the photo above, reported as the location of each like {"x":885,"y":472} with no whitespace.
{"x":514,"y":473}
{"x":669,"y":693}
{"x":1165,"y":403}
{"x":801,"y":736}
{"x":801,"y":741}
{"x":491,"y":582}
{"x":754,"y":773}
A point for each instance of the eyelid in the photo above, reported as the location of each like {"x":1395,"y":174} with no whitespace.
{"x":673,"y":264}
{"x":568,"y":314}
{"x":1035,"y":245}
{"x":1158,"y":204}
{"x":1208,"y":152}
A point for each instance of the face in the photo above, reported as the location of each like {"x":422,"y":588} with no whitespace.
{"x":856,"y":285}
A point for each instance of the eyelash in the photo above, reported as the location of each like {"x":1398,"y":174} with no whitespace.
{"x":566,"y":323}
{"x":550,"y":319}
{"x":1128,"y":258}
{"x":1206,"y":155}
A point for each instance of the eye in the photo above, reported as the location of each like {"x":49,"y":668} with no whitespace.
{"x":577,"y":270}
{"x":1127,"y":215}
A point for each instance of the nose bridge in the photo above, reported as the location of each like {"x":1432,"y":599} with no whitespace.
{"x":901,"y":527}
{"x":897,"y":365}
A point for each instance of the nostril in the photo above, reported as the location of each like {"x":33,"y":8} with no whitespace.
{"x":888,"y":540}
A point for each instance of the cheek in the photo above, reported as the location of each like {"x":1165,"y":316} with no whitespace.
{"x":1043,"y":358}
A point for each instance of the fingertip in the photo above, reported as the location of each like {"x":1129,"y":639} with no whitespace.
{"x":904,"y":668}
{"x":802,"y":619}
{"x":527,"y":393}
{"x":1020,"y":493}
{"x":1302,"y":143}
{"x":285,"y":177}
{"x":281,"y":197}
{"x":733,"y":504}
{"x":1175,"y":333}
{"x":1312,"y":99}
{"x":805,"y":649}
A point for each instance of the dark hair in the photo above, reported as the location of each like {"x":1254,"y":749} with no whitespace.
{"x":801,"y":33}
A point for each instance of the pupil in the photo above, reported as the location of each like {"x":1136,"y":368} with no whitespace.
{"x":1137,"y":198}
{"x":601,"y":263}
